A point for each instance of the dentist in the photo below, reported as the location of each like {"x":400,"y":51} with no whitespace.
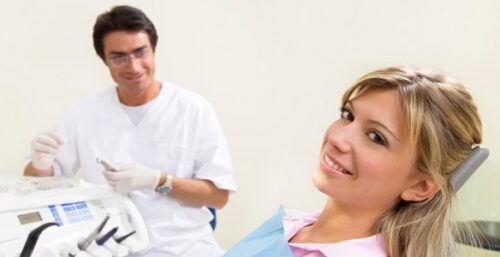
{"x":165,"y":141}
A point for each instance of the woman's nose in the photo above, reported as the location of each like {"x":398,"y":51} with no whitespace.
{"x":340,"y":137}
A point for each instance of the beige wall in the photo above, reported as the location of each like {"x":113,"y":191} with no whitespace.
{"x":274,"y":71}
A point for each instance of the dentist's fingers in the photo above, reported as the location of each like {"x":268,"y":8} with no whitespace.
{"x":44,"y":148}
{"x":60,"y":140}
{"x":47,"y":142}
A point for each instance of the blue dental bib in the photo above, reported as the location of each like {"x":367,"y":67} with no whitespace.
{"x":266,"y":241}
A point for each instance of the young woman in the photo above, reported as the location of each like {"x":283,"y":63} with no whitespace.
{"x":385,"y":165}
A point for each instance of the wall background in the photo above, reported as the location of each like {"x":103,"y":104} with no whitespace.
{"x":274,"y":71}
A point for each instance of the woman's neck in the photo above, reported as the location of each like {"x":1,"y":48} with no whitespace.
{"x":339,"y":223}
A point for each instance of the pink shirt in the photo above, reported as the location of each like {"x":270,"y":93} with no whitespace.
{"x":293,"y":222}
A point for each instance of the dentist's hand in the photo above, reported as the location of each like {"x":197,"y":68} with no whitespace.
{"x":132,"y":177}
{"x":44,"y":148}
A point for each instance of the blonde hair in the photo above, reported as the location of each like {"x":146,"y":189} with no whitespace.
{"x":444,"y":125}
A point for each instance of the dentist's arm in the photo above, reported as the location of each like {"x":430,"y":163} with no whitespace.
{"x":43,"y":151}
{"x":30,"y":170}
{"x":193,"y":192}
{"x":197,"y":192}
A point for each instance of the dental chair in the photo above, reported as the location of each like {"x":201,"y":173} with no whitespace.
{"x":213,"y":222}
{"x":488,"y":231}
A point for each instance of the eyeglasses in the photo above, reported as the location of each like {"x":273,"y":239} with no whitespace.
{"x":121,"y":59}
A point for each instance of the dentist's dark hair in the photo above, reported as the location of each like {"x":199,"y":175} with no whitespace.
{"x":122,"y":18}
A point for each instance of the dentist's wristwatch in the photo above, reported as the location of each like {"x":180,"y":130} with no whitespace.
{"x":166,"y":187}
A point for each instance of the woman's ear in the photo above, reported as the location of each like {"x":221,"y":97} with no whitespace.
{"x":424,"y":188}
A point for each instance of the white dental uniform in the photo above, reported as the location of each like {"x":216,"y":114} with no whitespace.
{"x":179,"y":134}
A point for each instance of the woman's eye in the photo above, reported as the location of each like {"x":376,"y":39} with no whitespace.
{"x":377,"y":138}
{"x":346,"y":114}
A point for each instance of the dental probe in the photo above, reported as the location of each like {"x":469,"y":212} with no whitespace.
{"x":105,"y":164}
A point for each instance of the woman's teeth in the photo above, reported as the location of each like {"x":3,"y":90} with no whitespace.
{"x":335,"y":166}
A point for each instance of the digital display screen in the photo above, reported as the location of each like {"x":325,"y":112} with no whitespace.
{"x":29,"y":217}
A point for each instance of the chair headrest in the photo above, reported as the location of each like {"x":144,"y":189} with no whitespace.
{"x":476,"y":157}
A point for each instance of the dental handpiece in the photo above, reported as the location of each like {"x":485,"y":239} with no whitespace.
{"x":32,"y":239}
{"x":83,"y":244}
{"x":100,"y":241}
{"x":120,"y":239}
{"x":105,"y":164}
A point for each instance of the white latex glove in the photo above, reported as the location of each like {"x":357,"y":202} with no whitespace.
{"x":132,"y":177}
{"x":44,"y":148}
